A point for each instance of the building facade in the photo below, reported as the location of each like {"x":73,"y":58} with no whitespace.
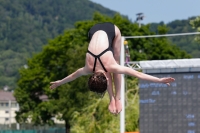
{"x":8,"y":107}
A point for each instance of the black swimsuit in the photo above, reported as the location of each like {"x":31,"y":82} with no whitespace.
{"x":109,"y":28}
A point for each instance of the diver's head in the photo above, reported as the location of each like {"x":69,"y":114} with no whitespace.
{"x":98,"y":83}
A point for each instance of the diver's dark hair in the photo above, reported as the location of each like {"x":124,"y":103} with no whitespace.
{"x":97,"y":83}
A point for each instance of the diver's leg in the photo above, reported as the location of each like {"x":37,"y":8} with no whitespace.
{"x":111,"y":106}
{"x":117,"y":77}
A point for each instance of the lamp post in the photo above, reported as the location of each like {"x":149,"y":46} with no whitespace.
{"x":140,"y":17}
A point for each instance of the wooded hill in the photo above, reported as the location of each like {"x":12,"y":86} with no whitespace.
{"x":26,"y":26}
{"x":186,"y":43}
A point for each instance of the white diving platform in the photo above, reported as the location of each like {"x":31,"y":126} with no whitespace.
{"x":167,"y":66}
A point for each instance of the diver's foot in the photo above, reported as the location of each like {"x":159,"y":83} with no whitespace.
{"x":118,"y":106}
{"x":112,"y":107}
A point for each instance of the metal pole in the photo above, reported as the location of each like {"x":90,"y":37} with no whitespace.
{"x":17,"y":124}
{"x":164,"y":35}
{"x":139,"y":23}
{"x":122,"y":114}
{"x":10,"y":113}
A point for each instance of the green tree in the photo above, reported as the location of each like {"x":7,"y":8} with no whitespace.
{"x":82,"y":110}
{"x":186,"y":43}
{"x":62,"y":56}
{"x":196,"y":25}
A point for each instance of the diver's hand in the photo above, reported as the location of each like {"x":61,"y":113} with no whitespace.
{"x":55,"y":84}
{"x":167,"y":80}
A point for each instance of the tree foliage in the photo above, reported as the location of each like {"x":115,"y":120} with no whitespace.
{"x":82,"y":110}
{"x":186,"y":43}
{"x":196,"y":25}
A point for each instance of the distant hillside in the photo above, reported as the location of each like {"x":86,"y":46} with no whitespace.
{"x":186,"y":43}
{"x":27,"y":25}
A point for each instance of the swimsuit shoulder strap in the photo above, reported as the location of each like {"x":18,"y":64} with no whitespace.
{"x":98,"y":57}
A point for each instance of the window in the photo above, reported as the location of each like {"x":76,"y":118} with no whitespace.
{"x":6,"y":119}
{"x":6,"y":104}
{"x":6,"y":111}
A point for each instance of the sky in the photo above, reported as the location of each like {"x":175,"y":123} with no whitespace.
{"x":154,"y":10}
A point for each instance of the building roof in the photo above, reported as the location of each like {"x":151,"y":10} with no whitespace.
{"x":44,"y":97}
{"x":168,"y":66}
{"x":175,"y":63}
{"x":6,"y":96}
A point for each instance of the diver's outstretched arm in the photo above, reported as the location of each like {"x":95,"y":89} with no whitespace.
{"x":129,"y":71}
{"x":71,"y":77}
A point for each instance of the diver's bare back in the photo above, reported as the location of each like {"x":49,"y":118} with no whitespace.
{"x":99,"y":43}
